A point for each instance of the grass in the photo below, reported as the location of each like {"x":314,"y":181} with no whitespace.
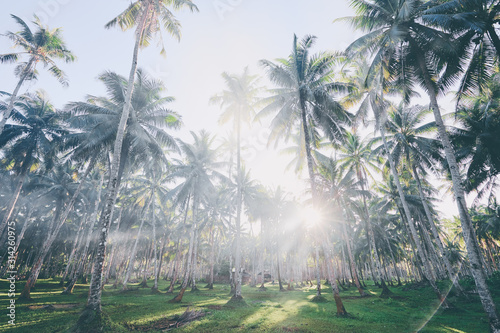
{"x":270,"y":311}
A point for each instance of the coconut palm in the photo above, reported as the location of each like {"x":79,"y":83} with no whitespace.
{"x":41,"y":46}
{"x":304,"y":99}
{"x":31,"y":141}
{"x":198,"y":174}
{"x":239,"y":101}
{"x":148,"y":17}
{"x":411,"y":52}
{"x":473,"y":23}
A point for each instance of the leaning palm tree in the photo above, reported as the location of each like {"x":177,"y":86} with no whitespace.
{"x":145,"y":135}
{"x":43,"y":45}
{"x":32,"y":140}
{"x":305,"y":100}
{"x":239,"y":100}
{"x":410,"y":52}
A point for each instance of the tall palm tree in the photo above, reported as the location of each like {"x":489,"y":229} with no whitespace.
{"x":305,"y":100}
{"x":239,"y":101}
{"x":148,"y":17}
{"x":43,"y":45}
{"x":413,"y":53}
{"x":31,"y":141}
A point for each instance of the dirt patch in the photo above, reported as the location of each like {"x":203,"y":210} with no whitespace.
{"x":51,"y":307}
{"x":167,"y":324}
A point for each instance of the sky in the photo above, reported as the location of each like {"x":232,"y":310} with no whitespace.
{"x":224,"y":36}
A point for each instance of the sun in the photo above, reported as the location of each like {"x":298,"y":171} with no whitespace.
{"x":310,"y":216}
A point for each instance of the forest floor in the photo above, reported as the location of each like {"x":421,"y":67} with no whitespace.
{"x":412,"y":309}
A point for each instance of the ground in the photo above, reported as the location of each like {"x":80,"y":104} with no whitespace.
{"x":269,"y":311}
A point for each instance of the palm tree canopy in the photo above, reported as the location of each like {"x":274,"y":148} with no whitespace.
{"x":34,"y":135}
{"x":43,"y":46}
{"x":305,"y":80}
{"x":156,"y":16}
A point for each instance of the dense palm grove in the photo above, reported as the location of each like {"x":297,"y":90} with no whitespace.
{"x":102,"y":190}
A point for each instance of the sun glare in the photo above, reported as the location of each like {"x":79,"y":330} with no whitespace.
{"x":310,"y":216}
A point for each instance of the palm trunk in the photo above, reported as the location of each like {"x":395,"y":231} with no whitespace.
{"x":12,"y":205}
{"x":341,"y":311}
{"x":237,"y":257}
{"x":467,"y":227}
{"x":210,"y":284}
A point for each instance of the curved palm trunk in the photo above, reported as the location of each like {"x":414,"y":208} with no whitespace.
{"x":93,"y":310}
{"x":12,"y":205}
{"x":341,"y":311}
{"x":467,"y":228}
{"x":426,"y":267}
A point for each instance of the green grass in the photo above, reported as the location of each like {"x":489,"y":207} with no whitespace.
{"x":270,"y":311}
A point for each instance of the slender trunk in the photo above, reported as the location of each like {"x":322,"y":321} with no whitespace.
{"x":239,"y":175}
{"x":12,"y":205}
{"x":467,"y":228}
{"x":341,"y":311}
{"x":210,"y":284}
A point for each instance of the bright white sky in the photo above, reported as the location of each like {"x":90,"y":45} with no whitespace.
{"x":225,"y":35}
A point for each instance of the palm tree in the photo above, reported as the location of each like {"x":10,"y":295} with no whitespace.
{"x":304,"y":100}
{"x":43,"y":45}
{"x":30,"y":141}
{"x":239,"y":101}
{"x":473,"y":23}
{"x":198,"y":174}
{"x":406,"y":139}
{"x":340,"y":188}
{"x":148,"y":17}
{"x":411,"y":52}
